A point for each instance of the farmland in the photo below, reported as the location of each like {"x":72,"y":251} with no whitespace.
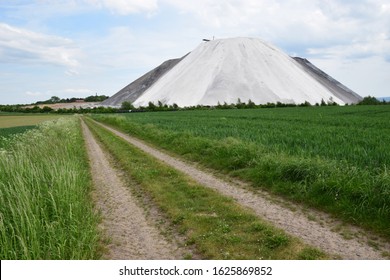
{"x":214,"y":224}
{"x":13,"y":120}
{"x":47,"y":213}
{"x":331,"y":158}
{"x":12,"y":124}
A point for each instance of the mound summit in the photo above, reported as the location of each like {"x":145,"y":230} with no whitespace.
{"x":226,"y":70}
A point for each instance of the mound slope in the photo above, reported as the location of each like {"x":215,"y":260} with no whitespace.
{"x":135,"y":89}
{"x":337,"y":88}
{"x":226,"y":70}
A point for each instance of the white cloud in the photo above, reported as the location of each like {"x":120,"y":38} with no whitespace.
{"x":304,"y":23}
{"x":67,"y":92}
{"x":34,"y":93}
{"x":45,"y":9}
{"x":355,"y":50}
{"x":345,"y":37}
{"x":72,"y":72}
{"x":77,"y":90}
{"x":125,"y":7}
{"x":24,"y":46}
{"x":125,"y":48}
{"x":366,"y":76}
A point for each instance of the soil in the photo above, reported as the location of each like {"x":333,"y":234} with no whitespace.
{"x":125,"y":226}
{"x":314,"y":228}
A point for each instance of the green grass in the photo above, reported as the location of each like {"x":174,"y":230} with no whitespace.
{"x":358,"y":135}
{"x":214,"y":224}
{"x":45,"y":208}
{"x":332,"y":158}
{"x":7,"y":133}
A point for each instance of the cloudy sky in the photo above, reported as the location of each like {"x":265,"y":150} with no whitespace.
{"x":76,"y":48}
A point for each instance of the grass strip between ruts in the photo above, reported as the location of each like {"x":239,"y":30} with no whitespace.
{"x":217,"y":226}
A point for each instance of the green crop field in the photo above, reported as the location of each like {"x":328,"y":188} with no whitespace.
{"x":359,"y":135}
{"x":332,"y":158}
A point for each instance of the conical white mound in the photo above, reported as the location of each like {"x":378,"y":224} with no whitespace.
{"x":228,"y":69}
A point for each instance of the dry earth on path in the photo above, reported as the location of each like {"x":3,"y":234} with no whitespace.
{"x":316,"y":229}
{"x":124,"y":222}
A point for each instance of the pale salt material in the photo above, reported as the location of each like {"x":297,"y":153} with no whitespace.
{"x":226,"y":70}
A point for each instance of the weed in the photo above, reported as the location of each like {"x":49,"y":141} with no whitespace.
{"x":310,"y":254}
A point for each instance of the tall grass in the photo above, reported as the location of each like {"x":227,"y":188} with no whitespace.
{"x":45,"y":210}
{"x":335,"y":158}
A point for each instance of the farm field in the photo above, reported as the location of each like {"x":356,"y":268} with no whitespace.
{"x":213,"y":225}
{"x":12,"y":124}
{"x":47,"y":211}
{"x":12,"y":120}
{"x":358,"y":135}
{"x":331,"y":158}
{"x":50,"y":178}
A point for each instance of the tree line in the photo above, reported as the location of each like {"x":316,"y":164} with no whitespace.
{"x":128,"y":107}
{"x":56,"y":99}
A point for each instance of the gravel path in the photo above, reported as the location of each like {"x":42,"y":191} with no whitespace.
{"x":124,"y":223}
{"x":314,"y":228}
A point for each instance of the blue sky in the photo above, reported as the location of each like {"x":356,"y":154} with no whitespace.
{"x":76,"y":48}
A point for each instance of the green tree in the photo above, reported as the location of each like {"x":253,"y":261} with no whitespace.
{"x":251,"y":104}
{"x":151,"y":106}
{"x":95,"y":98}
{"x":127,"y":106}
{"x":46,"y":109}
{"x":55,"y":99}
{"x":369,"y":100}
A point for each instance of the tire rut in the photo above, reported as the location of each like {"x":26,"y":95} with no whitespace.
{"x":123,"y":223}
{"x":319,"y":231}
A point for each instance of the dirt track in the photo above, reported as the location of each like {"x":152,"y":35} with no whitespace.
{"x":316,"y":229}
{"x":124,"y":224}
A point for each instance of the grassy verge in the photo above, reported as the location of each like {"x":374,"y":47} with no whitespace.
{"x":216,"y":225}
{"x":355,"y":194}
{"x":45,"y":209}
